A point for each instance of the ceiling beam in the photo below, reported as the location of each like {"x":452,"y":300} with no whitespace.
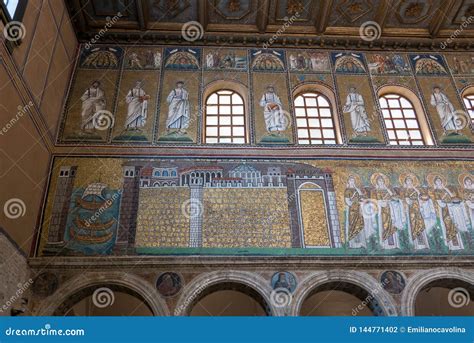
{"x":439,"y":18}
{"x":141,"y":14}
{"x":322,"y":16}
{"x":203,"y":15}
{"x":385,"y":6}
{"x":262,"y":15}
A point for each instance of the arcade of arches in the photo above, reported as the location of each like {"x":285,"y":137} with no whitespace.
{"x":146,"y":174}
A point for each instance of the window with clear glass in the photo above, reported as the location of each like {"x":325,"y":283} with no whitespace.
{"x":11,"y":6}
{"x":314,"y":119}
{"x":469,"y":102}
{"x":225,"y":118}
{"x":403,"y":127}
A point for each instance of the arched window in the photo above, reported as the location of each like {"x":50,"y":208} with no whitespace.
{"x":400,"y":120}
{"x":225,"y":118}
{"x":314,"y":120}
{"x":469,"y":102}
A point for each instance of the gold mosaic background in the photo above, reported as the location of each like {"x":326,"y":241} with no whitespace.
{"x":160,"y":221}
{"x":314,"y":218}
{"x":246,"y":218}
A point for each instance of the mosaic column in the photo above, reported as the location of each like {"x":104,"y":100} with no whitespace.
{"x":333,"y":215}
{"x":62,"y":201}
{"x":196,"y":211}
{"x":296,"y":240}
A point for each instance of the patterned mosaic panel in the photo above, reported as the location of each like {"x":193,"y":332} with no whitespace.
{"x":314,"y":218}
{"x":161,"y":221}
{"x":246,"y":218}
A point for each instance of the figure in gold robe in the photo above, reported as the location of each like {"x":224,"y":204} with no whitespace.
{"x":358,"y":218}
{"x":419,"y":210}
{"x":390,"y":213}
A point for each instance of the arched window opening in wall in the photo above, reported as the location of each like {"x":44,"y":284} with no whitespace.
{"x":314,"y":119}
{"x":225,"y":120}
{"x":91,"y":301}
{"x":468,"y":98}
{"x":340,"y":299}
{"x":445,"y":297}
{"x":229,"y":299}
{"x":400,"y":120}
{"x":404,"y":117}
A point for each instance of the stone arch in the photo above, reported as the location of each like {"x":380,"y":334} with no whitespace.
{"x":359,"y":279}
{"x":422,"y":278}
{"x":136,"y":284}
{"x":196,"y":289}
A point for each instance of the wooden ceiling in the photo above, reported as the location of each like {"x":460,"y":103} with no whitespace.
{"x":327,"y":23}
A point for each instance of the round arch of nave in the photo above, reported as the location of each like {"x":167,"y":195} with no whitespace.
{"x":424,"y":277}
{"x":198,"y":287}
{"x":145,"y":290}
{"x":358,"y":279}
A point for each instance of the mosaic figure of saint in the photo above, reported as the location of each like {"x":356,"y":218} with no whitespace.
{"x":179,"y":109}
{"x":358,"y":227}
{"x":452,"y":213}
{"x":390,"y":212}
{"x":466,"y":181}
{"x":356,"y":107}
{"x":137,"y":111}
{"x":275,"y":119}
{"x":446,"y":111}
{"x":93,"y":101}
{"x":419,"y":210}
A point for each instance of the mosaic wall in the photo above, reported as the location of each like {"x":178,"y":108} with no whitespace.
{"x":155,"y":95}
{"x":152,"y":206}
